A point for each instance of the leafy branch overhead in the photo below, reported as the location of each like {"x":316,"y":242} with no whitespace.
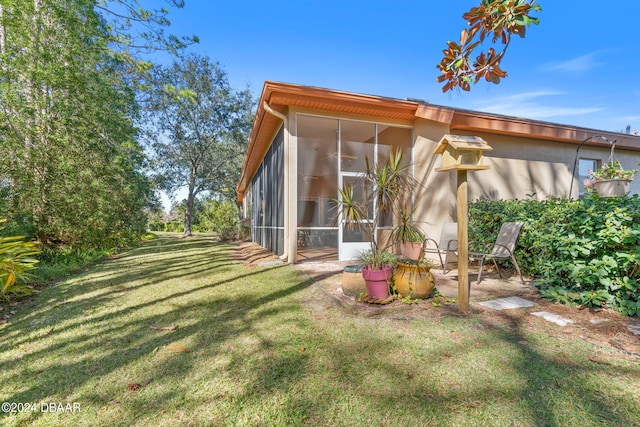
{"x":499,"y":19}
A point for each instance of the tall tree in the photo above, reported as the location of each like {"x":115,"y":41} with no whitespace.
{"x":67,"y":111}
{"x":499,"y":19}
{"x":199,"y":128}
{"x":136,"y":28}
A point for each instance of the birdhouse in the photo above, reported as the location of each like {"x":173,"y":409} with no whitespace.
{"x":462,"y":153}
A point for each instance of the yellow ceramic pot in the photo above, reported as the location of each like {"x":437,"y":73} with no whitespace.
{"x":414,"y":280}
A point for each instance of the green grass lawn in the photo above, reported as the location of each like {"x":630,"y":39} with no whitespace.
{"x":263,"y":346}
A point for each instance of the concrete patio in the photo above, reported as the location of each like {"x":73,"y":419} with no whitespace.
{"x":329,"y":274}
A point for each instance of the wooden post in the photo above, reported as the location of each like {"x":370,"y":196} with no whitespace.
{"x":462,"y":154}
{"x":463,"y":241}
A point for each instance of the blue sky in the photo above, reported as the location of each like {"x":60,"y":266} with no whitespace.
{"x":580,"y":66}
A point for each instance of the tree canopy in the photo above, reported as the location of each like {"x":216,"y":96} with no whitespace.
{"x":198,"y":128}
{"x":71,"y":169}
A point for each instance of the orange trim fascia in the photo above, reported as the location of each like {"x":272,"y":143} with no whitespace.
{"x":472,"y":121}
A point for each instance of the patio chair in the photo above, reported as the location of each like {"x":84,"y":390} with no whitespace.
{"x":448,"y":244}
{"x":502,"y":249}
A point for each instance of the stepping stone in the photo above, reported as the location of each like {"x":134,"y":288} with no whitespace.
{"x":269,"y":263}
{"x":553,"y":318}
{"x":506,"y":303}
{"x":635,"y":329}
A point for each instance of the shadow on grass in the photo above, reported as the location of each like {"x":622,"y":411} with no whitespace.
{"x":257,"y":355}
{"x":51,"y":322}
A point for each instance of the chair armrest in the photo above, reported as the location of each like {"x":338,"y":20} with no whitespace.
{"x":425,"y":244}
{"x":483,"y":252}
{"x":510,"y":254}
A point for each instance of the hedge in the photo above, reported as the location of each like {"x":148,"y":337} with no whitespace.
{"x":580,"y":252}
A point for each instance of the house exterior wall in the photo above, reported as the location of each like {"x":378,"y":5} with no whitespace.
{"x":520,"y":168}
{"x":435,"y":197}
{"x":537,"y":165}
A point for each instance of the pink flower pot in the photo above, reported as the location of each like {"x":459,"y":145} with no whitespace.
{"x":377,"y":281}
{"x":411,"y":250}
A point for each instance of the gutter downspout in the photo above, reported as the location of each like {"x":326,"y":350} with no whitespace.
{"x":285,"y":256}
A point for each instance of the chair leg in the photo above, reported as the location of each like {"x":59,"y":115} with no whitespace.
{"x":443,"y":264}
{"x":446,"y":262}
{"x":480,"y":271}
{"x":496,"y":266}
{"x":517,"y":268}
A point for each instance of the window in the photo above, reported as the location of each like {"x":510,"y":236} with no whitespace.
{"x":584,"y":168}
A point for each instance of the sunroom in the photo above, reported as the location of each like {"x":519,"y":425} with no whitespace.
{"x":308,"y":142}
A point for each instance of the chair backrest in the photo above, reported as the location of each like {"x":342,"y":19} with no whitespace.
{"x":507,"y":239}
{"x":449,"y":233}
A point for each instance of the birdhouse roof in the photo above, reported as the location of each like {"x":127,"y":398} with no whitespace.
{"x":462,"y":143}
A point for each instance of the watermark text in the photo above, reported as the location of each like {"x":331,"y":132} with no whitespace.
{"x":52,"y":407}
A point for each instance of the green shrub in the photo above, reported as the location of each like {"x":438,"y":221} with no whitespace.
{"x":244,"y":232}
{"x":157,"y":225}
{"x":172,"y":227}
{"x":56,"y":263}
{"x":222,"y":218}
{"x":583,"y":252}
{"x":149,"y":236}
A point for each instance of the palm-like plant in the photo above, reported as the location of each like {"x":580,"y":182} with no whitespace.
{"x":17,"y":256}
{"x":406,"y":231}
{"x":383,"y":187}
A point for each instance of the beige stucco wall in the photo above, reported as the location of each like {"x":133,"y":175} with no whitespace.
{"x":519,"y":168}
{"x":528,"y":168}
{"x":435,"y":197}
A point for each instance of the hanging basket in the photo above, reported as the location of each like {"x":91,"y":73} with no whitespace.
{"x":612,"y":180}
{"x":612,"y":187}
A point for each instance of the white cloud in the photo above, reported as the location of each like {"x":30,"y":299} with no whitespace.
{"x":577,"y":65}
{"x":526,"y":105}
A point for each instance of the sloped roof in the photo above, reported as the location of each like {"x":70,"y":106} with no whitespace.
{"x":281,"y":96}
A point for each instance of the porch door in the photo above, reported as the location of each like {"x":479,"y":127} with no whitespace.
{"x":352,"y":240}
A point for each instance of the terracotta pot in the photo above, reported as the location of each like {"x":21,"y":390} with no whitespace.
{"x":415,"y":281}
{"x":612,"y":187}
{"x":352,"y":281}
{"x":377,"y":281}
{"x":411,"y":250}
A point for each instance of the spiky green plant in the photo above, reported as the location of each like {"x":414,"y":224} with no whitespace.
{"x":385,"y":185}
{"x":17,"y":256}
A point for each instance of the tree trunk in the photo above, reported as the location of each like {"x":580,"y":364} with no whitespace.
{"x":187,"y":215}
{"x":190,"y":198}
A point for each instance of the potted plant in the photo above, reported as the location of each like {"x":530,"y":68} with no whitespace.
{"x":408,"y":235}
{"x":413,"y":278}
{"x":383,"y":186}
{"x":377,"y":280}
{"x":610,"y":180}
